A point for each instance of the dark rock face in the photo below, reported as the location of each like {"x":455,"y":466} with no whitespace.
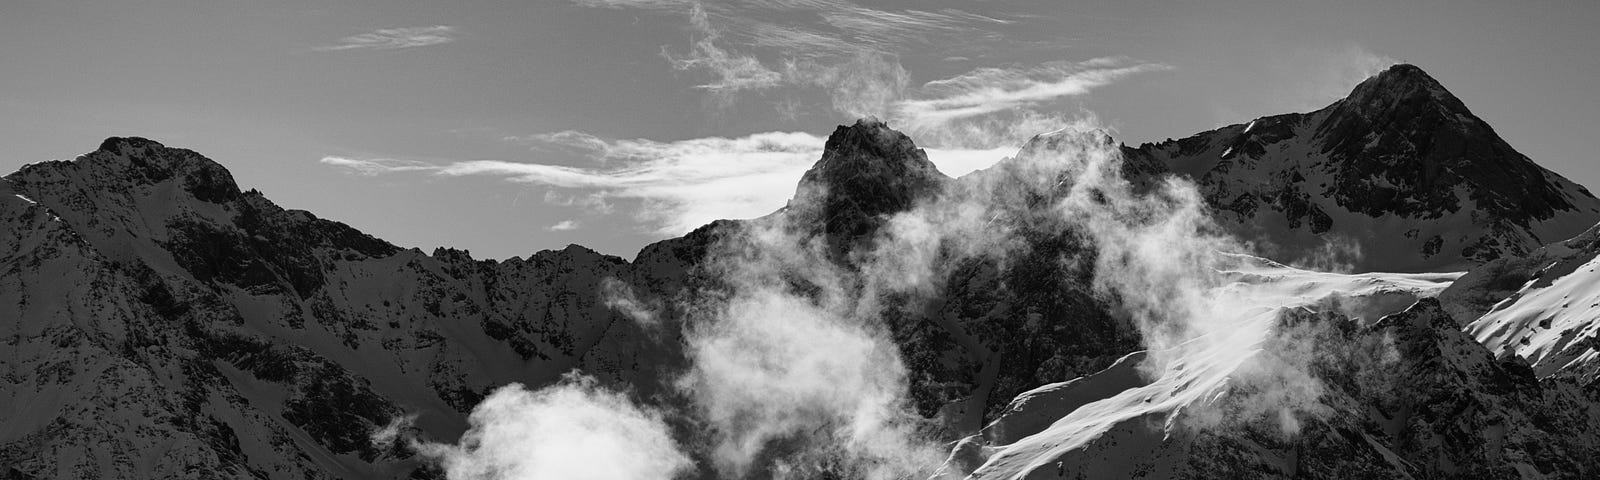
{"x":1404,"y":126}
{"x":867,"y":171}
{"x":224,"y":336}
{"x":1401,"y":149}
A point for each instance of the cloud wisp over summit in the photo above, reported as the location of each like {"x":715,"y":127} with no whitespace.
{"x":394,"y":39}
{"x":1001,"y":105}
{"x":840,"y":48}
{"x":672,"y":187}
{"x":855,"y":57}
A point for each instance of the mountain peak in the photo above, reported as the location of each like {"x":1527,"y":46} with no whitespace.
{"x":1403,"y":125}
{"x":116,"y":145}
{"x":124,"y":162}
{"x":1400,"y":88}
{"x":867,"y":159}
{"x":871,"y":138}
{"x":867,"y":170}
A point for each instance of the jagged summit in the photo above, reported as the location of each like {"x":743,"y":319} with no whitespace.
{"x":1398,"y":85}
{"x":1401,"y":171}
{"x":1403,"y":126}
{"x":867,"y":170}
{"x":868,"y":151}
{"x":116,"y":144}
{"x":121,"y":163}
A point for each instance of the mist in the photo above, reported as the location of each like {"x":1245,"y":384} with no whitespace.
{"x":792,"y":371}
{"x":574,"y":429}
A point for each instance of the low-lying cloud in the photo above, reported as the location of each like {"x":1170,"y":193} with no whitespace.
{"x":793,"y":371}
{"x":574,"y":429}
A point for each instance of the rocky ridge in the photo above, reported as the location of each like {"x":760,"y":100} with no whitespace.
{"x":170,"y":325}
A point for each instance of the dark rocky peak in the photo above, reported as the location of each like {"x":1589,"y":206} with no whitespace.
{"x":1404,"y":103}
{"x":126,"y":162}
{"x":452,"y":255}
{"x":129,"y":145}
{"x":1401,"y":86}
{"x":1404,"y":127}
{"x":1405,"y":112}
{"x":867,"y":170}
{"x":864,"y":158}
{"x":205,"y":179}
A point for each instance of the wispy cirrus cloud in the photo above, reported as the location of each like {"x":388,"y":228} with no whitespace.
{"x":676,"y":186}
{"x":815,"y":45}
{"x":734,"y":72}
{"x":852,"y":54}
{"x":394,"y":38}
{"x":644,"y":4}
{"x":679,"y":185}
{"x":374,"y":166}
{"x":1003,"y":105}
{"x":564,"y":226}
{"x":990,"y":90}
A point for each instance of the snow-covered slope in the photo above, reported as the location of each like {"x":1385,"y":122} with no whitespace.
{"x":1324,"y":395}
{"x":1543,"y":308}
{"x":1399,"y":176}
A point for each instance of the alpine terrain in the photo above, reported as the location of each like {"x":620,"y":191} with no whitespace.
{"x":1383,"y":288}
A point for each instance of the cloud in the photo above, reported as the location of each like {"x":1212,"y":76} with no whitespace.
{"x":958,"y":162}
{"x":733,"y":72}
{"x":394,"y":38}
{"x":954,"y":103}
{"x":890,"y":30}
{"x":645,"y":4}
{"x":846,"y":50}
{"x":679,"y":185}
{"x":574,"y":429}
{"x":682,"y":184}
{"x":374,"y":166}
{"x":772,"y":365}
{"x":867,"y":84}
{"x":852,"y":53}
{"x":1311,"y":78}
{"x":1345,"y":68}
{"x":793,"y":371}
{"x":621,"y":297}
{"x":564,"y":226}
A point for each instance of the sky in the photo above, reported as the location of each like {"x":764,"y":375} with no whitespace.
{"x":509,"y":127}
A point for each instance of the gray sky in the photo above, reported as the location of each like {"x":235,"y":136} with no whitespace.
{"x":508,"y":127}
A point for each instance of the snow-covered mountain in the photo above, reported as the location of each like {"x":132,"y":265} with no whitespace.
{"x":1543,"y":308}
{"x":158,"y":322}
{"x":1381,"y":395}
{"x":1398,"y":176}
